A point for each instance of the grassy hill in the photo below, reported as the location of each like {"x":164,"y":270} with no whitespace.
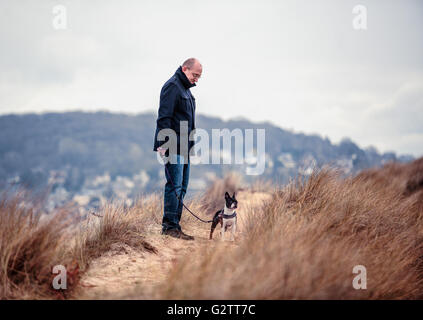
{"x":302,"y":240}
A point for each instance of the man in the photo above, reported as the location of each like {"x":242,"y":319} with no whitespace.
{"x":177,"y":113}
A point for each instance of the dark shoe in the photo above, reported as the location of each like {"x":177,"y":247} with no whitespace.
{"x":186,"y":236}
{"x":177,"y":234}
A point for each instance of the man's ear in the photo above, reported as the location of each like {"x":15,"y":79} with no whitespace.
{"x":227,"y":195}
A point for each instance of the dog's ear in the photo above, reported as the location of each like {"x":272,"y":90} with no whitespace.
{"x":233,"y":195}
{"x":227,"y":195}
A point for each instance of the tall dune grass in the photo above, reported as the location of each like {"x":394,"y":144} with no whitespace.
{"x":302,"y":244}
{"x":30,"y":245}
{"x":306,"y":241}
{"x":114,"y":224}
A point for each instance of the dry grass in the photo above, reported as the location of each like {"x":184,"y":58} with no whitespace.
{"x":261,"y":185}
{"x":114,"y":224}
{"x":29,"y":248}
{"x":302,"y":244}
{"x":306,"y":241}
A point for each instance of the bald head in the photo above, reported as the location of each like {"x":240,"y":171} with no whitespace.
{"x":189,"y":63}
{"x":192,"y":69}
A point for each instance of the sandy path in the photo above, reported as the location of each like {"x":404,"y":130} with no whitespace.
{"x":123,"y":269}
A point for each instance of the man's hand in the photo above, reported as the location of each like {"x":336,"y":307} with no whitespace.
{"x":162,"y":151}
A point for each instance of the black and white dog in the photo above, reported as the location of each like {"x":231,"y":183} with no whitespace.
{"x":226,"y":217}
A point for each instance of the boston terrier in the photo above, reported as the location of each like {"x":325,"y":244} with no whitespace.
{"x":226,"y":217}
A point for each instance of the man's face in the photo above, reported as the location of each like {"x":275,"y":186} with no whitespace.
{"x":194,"y":73}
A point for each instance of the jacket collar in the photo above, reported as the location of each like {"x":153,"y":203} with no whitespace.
{"x":183,"y":78}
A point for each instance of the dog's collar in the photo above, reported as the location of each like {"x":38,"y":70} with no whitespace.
{"x":229,"y":216}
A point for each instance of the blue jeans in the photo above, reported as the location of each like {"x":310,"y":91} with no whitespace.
{"x":179,"y":176}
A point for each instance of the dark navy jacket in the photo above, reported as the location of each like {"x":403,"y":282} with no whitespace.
{"x":176,"y":104}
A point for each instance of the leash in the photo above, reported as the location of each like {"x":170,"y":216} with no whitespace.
{"x":174,"y":189}
{"x":176,"y":194}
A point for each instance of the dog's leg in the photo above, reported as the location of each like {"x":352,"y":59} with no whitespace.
{"x":211,"y":232}
{"x":213,"y":226}
{"x":223,"y":231}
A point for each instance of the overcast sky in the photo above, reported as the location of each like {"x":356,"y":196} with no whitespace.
{"x":298,"y":64}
